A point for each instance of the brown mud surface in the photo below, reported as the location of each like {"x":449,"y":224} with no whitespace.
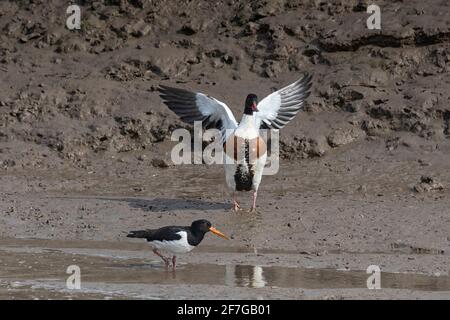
{"x":85,"y":149}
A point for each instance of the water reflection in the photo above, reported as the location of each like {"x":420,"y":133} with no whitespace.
{"x":286,"y":277}
{"x":110,"y":270}
{"x":244,"y":276}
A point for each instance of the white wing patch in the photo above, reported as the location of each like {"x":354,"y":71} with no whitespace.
{"x":272,"y":104}
{"x":196,"y":106}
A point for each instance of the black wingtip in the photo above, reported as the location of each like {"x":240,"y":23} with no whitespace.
{"x":306,"y":82}
{"x":162,"y":88}
{"x":139,"y":234}
{"x":133,"y":234}
{"x":165,"y":89}
{"x":307,"y":77}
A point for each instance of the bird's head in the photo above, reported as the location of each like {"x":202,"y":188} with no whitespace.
{"x":251,"y":104}
{"x":205,"y":226}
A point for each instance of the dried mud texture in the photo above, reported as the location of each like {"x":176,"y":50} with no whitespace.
{"x":73,"y":95}
{"x":80,"y":117}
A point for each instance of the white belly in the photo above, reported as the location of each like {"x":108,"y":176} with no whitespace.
{"x":174,"y":246}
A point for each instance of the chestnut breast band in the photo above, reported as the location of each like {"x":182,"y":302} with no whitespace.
{"x":239,"y":148}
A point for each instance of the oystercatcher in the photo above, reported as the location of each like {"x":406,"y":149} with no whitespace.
{"x":176,"y":239}
{"x":245,"y":151}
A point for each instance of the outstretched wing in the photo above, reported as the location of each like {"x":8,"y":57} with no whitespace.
{"x":281,"y":106}
{"x":196,"y":106}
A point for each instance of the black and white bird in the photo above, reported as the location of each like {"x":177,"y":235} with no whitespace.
{"x":176,"y":240}
{"x":245,"y":151}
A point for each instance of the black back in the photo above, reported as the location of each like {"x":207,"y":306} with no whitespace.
{"x":166,"y":233}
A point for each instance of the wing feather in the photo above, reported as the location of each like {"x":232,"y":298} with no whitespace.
{"x":281,"y":106}
{"x":196,"y":106}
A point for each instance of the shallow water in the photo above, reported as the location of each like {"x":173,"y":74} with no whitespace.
{"x":36,"y":269}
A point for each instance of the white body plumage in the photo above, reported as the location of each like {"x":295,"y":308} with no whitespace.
{"x":173,"y":246}
{"x":235,"y":167}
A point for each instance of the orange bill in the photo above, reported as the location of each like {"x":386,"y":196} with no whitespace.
{"x":220,"y":234}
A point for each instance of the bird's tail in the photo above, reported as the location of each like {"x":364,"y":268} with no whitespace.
{"x":139,"y":234}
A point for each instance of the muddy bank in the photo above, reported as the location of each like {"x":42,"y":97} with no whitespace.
{"x":76,"y":97}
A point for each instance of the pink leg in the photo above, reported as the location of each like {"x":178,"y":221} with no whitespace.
{"x":236,"y":205}
{"x":253,"y":208}
{"x":166,"y":260}
{"x":174,"y":261}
